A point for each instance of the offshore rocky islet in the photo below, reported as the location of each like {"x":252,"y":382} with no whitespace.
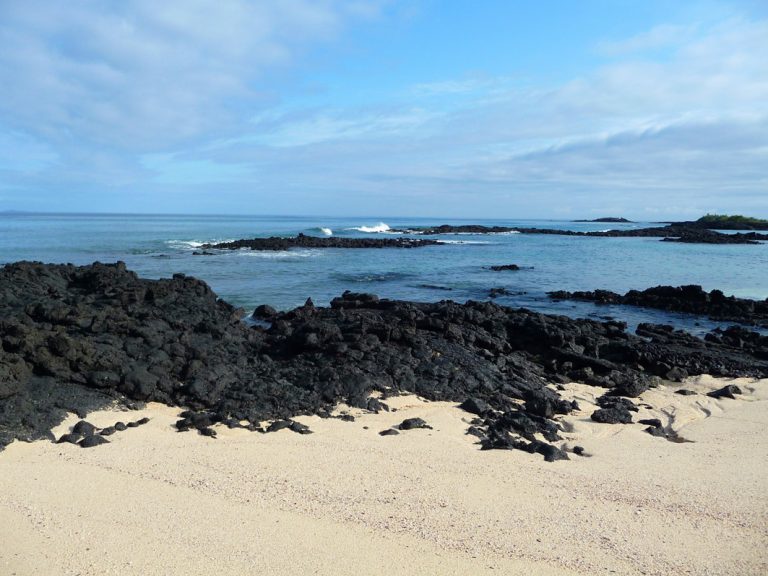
{"x":695,"y":232}
{"x":676,"y":232}
{"x":75,"y":338}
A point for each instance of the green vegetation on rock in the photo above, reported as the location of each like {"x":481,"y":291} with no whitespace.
{"x":735,"y":222}
{"x":726,"y":219}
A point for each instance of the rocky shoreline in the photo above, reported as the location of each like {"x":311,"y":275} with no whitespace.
{"x":669,"y":233}
{"x":77,"y":338}
{"x":690,"y":299}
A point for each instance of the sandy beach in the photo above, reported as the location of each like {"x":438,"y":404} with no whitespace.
{"x":345,"y":500}
{"x":384,"y":288}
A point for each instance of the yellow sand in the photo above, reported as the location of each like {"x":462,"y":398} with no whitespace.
{"x":346,"y":501}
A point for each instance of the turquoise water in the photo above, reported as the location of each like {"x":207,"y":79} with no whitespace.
{"x":158,"y":246}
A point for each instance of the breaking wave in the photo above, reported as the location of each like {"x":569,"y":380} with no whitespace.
{"x":192,"y":244}
{"x":321,"y":230}
{"x":379,"y":228}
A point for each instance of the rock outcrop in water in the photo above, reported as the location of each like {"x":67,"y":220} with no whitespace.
{"x":77,"y":338}
{"x":608,"y":219}
{"x":460,"y":229}
{"x":505,"y":268}
{"x":670,"y":233}
{"x":700,"y":236}
{"x":690,"y":299}
{"x":303,"y":241}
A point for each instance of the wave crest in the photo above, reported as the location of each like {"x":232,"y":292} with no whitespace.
{"x":321,"y":230}
{"x":194,"y":244}
{"x":380,"y":228}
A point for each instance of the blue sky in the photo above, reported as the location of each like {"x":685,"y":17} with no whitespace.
{"x":645,"y":109}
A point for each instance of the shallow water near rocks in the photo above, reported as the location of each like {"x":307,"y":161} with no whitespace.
{"x":160,"y":245}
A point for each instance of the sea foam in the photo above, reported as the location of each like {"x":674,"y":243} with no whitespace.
{"x":379,"y":228}
{"x":290,"y":255}
{"x":193,"y":244}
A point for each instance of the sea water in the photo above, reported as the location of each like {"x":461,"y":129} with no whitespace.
{"x":157,"y":246}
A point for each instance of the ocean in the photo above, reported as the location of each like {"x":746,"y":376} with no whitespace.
{"x":157,"y":246}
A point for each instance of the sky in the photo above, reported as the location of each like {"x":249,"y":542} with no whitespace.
{"x":437,"y":108}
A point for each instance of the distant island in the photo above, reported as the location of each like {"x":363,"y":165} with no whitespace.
{"x":726,"y":222}
{"x":709,"y":221}
{"x":610,"y":219}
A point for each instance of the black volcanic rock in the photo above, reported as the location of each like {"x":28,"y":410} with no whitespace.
{"x":505,"y":267}
{"x":84,"y":428}
{"x":460,"y":229}
{"x":475,"y":406}
{"x":496,"y":292}
{"x":78,"y":336}
{"x":728,"y":391}
{"x":740,"y":338}
{"x":609,"y":401}
{"x":300,"y":428}
{"x":264,"y":312}
{"x":608,"y":219}
{"x":700,"y":236}
{"x":614,"y":415}
{"x":278,"y":425}
{"x":691,"y":299}
{"x":551,"y":453}
{"x":92,"y":441}
{"x":71,"y":438}
{"x":303,"y":241}
{"x":413,"y":423}
{"x":677,"y":232}
{"x":375,"y":405}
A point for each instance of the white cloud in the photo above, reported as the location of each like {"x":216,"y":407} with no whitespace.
{"x":692,"y":126}
{"x":20,"y":152}
{"x":182,"y":89}
{"x":141,"y":75}
{"x":328,"y":125}
{"x":659,"y":37}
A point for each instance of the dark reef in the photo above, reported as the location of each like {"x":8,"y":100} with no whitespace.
{"x":303,"y":241}
{"x":691,"y":299}
{"x":671,"y":232}
{"x":608,"y":219}
{"x":699,"y":236}
{"x":75,"y":338}
{"x":505,"y":268}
